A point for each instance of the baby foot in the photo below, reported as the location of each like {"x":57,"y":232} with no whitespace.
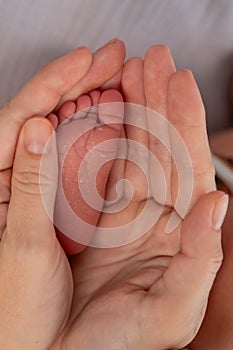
{"x":98,"y":112}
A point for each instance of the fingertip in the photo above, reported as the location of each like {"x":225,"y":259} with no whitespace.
{"x":202,"y":212}
{"x":131,"y":66}
{"x":53,"y":120}
{"x":107,"y":62}
{"x":201,"y":234}
{"x":134,"y":60}
{"x":82,"y":51}
{"x":122,"y":45}
{"x":184,"y":99}
{"x":115,"y":51}
{"x":158,"y":48}
{"x":61,"y":75}
{"x":83,"y":54}
{"x":115,"y":42}
{"x":220,"y":210}
{"x":182,"y":78}
{"x":160,"y":52}
{"x":36,"y":133}
{"x":132,"y":82}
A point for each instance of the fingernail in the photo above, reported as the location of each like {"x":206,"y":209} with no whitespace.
{"x":220,"y":211}
{"x":110,"y":42}
{"x":36,"y":134}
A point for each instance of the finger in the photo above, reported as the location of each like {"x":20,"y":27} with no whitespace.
{"x":186,"y":284}
{"x":136,"y":127}
{"x":107,"y":61}
{"x":158,"y":69}
{"x":34,"y":179}
{"x":39,"y":97}
{"x":133,"y":91}
{"x":200,"y":243}
{"x":32,"y":261}
{"x":186,"y":112}
{"x":216,"y":330}
{"x":113,"y":83}
{"x":5,"y":192}
{"x":132,"y":81}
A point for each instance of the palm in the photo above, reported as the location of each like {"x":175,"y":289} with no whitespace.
{"x":116,"y":287}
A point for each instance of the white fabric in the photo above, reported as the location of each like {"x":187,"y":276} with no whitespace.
{"x":199,"y":33}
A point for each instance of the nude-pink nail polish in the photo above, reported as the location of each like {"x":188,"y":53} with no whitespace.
{"x":220,"y":211}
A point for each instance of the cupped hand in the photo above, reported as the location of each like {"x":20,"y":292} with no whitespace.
{"x":75,"y":73}
{"x":152,"y":293}
{"x":35,"y":279}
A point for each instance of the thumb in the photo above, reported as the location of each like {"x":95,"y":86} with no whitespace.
{"x":200,"y":256}
{"x":190,"y":276}
{"x":31,"y":260}
{"x":34,"y":180}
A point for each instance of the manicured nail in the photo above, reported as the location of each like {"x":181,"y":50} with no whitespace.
{"x":110,"y":42}
{"x":36,"y":134}
{"x":220,"y":211}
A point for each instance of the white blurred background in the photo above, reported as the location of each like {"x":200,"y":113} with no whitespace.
{"x":198,"y":32}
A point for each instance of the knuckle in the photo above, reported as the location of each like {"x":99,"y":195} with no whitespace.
{"x":26,"y":181}
{"x":33,"y":181}
{"x":216,"y":262}
{"x":162,"y":48}
{"x":216,"y":257}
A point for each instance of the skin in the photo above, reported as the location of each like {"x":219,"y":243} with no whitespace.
{"x":146,"y":288}
{"x":218,"y":319}
{"x":78,"y":71}
{"x":210,"y":325}
{"x":99,"y":134}
{"x":45,"y":91}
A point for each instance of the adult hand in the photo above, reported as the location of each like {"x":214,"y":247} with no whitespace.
{"x":171,"y":279}
{"x":216,"y":330}
{"x":36,"y":282}
{"x":79,"y":71}
{"x":153,"y":292}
